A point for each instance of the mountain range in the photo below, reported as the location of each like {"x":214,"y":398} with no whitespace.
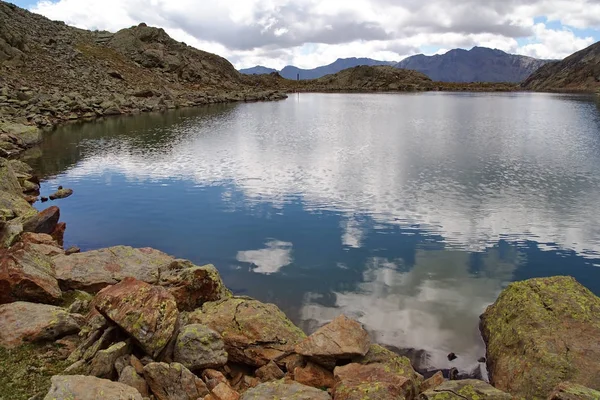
{"x":479,"y":64}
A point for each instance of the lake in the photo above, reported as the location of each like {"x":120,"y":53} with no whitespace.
{"x":408,"y":212}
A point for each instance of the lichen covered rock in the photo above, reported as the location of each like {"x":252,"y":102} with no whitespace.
{"x":199,"y":347}
{"x":89,"y":388}
{"x":29,"y":322}
{"x":469,"y":389}
{"x":573,"y":391}
{"x":541,"y":332}
{"x":93,"y":270}
{"x":254,"y":333}
{"x":173,"y":382}
{"x":373,"y":381}
{"x":285,"y":390}
{"x":147,"y":313}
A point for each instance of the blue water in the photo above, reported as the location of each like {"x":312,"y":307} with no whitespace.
{"x":409,"y":212}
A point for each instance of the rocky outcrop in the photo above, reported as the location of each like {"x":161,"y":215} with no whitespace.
{"x":147,"y":313}
{"x":285,"y":390}
{"x":254,"y":333}
{"x":29,"y":322}
{"x":94,"y":270}
{"x":341,"y":339}
{"x":578,"y":72}
{"x":541,"y":332}
{"x":173,"y":382}
{"x":199,"y":347}
{"x":468,"y":389}
{"x":89,"y":388}
{"x":573,"y":391}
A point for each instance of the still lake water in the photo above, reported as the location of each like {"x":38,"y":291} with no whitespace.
{"x":409,"y":212}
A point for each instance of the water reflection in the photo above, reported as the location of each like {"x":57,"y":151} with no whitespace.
{"x":409,"y":212}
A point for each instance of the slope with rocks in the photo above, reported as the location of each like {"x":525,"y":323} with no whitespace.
{"x":479,"y":64}
{"x":51,"y":72}
{"x":578,"y":72}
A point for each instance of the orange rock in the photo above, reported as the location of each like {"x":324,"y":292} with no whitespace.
{"x":433,"y":382}
{"x":223,"y":392}
{"x":314,"y":375}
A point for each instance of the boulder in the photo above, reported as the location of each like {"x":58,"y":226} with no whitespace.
{"x":468,"y":389}
{"x":44,"y":222}
{"x":27,"y":274}
{"x":29,"y":322}
{"x":130,"y":377}
{"x":269,"y":372}
{"x":191,"y":285}
{"x":94,"y":270}
{"x":314,"y":375}
{"x":254,"y":333}
{"x":147,"y":313}
{"x":285,"y":390}
{"x":541,"y":332}
{"x":61,"y":194}
{"x":199,"y":347}
{"x":431,"y":383}
{"x":173,"y":382}
{"x":42,"y":243}
{"x":89,"y":388}
{"x":341,"y":339}
{"x":573,"y":391}
{"x":224,"y":392}
{"x":103,"y":363}
{"x":376,"y":381}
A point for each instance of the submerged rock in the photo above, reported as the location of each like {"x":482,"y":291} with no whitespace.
{"x":341,"y":339}
{"x":573,"y":391}
{"x":285,"y":390}
{"x":254,"y":333}
{"x":468,"y":389}
{"x":89,"y":388}
{"x":94,"y":270}
{"x":199,"y":347}
{"x":173,"y":382}
{"x":23,"y":322}
{"x":541,"y":332}
{"x":147,"y":313}
{"x":191,"y":285}
{"x":61,"y":194}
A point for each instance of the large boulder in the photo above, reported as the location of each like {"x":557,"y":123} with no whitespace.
{"x":191,"y":285}
{"x":89,"y":388}
{"x":27,"y":274}
{"x":468,"y":389}
{"x":44,"y":222}
{"x":94,"y":270}
{"x":285,"y":390}
{"x":199,"y":347}
{"x":147,"y":313}
{"x":541,"y":332}
{"x":341,"y":339}
{"x":573,"y":391}
{"x":254,"y":333}
{"x":376,"y":381}
{"x":29,"y":322}
{"x":173,"y":382}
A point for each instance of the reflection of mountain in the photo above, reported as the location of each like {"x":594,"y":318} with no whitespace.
{"x":432,"y":306}
{"x":472,"y":168}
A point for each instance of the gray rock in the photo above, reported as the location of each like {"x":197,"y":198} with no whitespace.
{"x":103,"y":363}
{"x":131,"y":378}
{"x":173,"y":382}
{"x":89,"y":388}
{"x":199,"y":347}
{"x":283,"y":390}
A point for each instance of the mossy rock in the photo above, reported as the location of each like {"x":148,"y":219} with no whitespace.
{"x":573,"y":391}
{"x":541,"y":332}
{"x":469,"y":389}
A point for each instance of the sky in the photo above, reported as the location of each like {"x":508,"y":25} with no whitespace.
{"x":310,"y":33}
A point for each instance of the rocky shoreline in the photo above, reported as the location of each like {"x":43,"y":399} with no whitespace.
{"x":126,"y":323}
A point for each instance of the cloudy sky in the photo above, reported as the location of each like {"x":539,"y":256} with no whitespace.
{"x":309,"y":33}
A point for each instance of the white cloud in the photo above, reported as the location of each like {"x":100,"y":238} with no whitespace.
{"x":308,"y":33}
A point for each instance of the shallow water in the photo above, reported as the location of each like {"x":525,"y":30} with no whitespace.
{"x":409,"y":212}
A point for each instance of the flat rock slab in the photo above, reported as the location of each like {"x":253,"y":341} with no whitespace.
{"x":94,"y":270}
{"x":89,"y":388}
{"x":285,"y":390}
{"x":341,"y":339}
{"x":173,"y":382}
{"x":27,"y":274}
{"x":573,"y":391}
{"x":541,"y":332}
{"x":199,"y":347}
{"x":29,"y":322}
{"x":147,"y":313}
{"x":469,"y":389}
{"x":254,"y":333}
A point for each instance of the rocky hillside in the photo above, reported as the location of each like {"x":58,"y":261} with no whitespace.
{"x":258,"y":70}
{"x":479,"y":64}
{"x":578,"y":72}
{"x":51,"y":72}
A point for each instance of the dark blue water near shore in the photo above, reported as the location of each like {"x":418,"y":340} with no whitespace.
{"x":407,"y":212}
